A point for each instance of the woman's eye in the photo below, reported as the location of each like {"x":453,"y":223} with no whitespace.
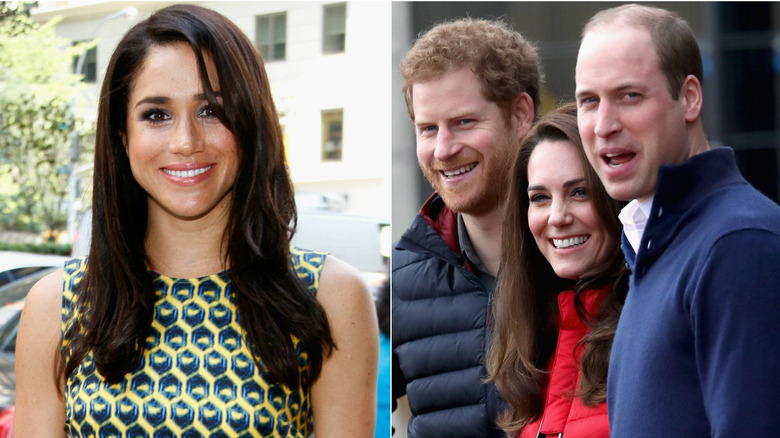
{"x":207,"y":111}
{"x":537,"y":198}
{"x":155,"y":116}
{"x":580,"y":192}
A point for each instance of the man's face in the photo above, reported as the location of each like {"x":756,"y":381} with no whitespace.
{"x":629,"y":123}
{"x":463,"y":143}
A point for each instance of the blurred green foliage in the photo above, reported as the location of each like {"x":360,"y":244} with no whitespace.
{"x":36,"y":121}
{"x":38,"y":248}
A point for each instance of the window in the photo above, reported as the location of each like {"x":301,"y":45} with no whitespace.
{"x":271,"y":36}
{"x":89,"y":68}
{"x":334,"y":25}
{"x":332,"y":123}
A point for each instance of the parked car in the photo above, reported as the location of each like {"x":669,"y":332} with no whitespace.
{"x":15,"y":265}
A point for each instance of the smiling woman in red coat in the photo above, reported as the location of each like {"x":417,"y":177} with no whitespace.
{"x":561,"y":286}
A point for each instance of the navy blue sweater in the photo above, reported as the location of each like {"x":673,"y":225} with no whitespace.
{"x":697,"y":349}
{"x":441,"y":318}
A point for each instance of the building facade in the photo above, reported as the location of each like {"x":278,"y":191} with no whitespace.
{"x":329,"y":72}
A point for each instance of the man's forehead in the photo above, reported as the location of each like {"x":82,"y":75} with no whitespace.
{"x":458,"y":84}
{"x":612,"y":47}
{"x":610,"y":34}
{"x":615,"y":26}
{"x":433,"y":77}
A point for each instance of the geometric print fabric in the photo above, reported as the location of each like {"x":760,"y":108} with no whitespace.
{"x":197,"y":377}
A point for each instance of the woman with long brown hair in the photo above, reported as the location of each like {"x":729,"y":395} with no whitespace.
{"x":561,"y":286}
{"x":193,"y":315}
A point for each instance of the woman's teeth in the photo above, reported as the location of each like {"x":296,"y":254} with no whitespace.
{"x":186,"y":173}
{"x":572,"y":241}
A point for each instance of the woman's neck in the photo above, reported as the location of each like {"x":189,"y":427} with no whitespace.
{"x":186,"y":248}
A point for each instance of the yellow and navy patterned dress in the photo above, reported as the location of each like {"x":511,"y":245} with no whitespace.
{"x":197,"y":377}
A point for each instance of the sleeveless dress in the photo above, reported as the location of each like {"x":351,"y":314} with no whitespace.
{"x":197,"y":377}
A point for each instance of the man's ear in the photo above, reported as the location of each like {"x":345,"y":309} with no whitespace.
{"x":522,"y":114}
{"x":691,"y":98}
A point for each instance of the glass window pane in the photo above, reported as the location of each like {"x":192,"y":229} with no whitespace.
{"x":280,"y":36}
{"x":280,"y":28}
{"x":334,"y":28}
{"x":262,"y":29}
{"x":332,"y":125}
{"x":271,"y":36}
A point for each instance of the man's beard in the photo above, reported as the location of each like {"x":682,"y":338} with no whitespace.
{"x":477,"y":196}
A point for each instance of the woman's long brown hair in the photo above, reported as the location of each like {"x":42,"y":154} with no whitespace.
{"x":525,"y":300}
{"x":117,"y":290}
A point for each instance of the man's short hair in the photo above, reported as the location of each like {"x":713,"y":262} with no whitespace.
{"x":505,"y":63}
{"x":672,"y":36}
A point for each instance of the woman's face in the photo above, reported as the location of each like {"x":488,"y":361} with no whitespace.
{"x":180,"y":153}
{"x":561,"y":216}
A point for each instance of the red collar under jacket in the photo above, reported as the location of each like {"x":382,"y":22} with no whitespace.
{"x":562,"y":412}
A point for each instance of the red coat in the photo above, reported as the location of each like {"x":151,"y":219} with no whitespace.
{"x":562,"y":412}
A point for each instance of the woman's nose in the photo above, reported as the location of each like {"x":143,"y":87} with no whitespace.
{"x":186,"y":138}
{"x":559,"y":214}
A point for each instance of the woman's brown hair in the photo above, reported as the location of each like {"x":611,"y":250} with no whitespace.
{"x":525,"y":300}
{"x":117,"y":289}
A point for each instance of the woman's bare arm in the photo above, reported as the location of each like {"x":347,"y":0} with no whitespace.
{"x":40,"y":410}
{"x":344,"y":397}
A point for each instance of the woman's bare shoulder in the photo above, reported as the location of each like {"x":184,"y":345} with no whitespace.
{"x":43,"y":306}
{"x":46,"y":292}
{"x":340,"y":280}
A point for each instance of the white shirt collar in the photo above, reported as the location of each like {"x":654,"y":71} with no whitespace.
{"x":634,"y":218}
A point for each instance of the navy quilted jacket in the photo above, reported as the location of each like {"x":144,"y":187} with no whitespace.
{"x":441,"y":327}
